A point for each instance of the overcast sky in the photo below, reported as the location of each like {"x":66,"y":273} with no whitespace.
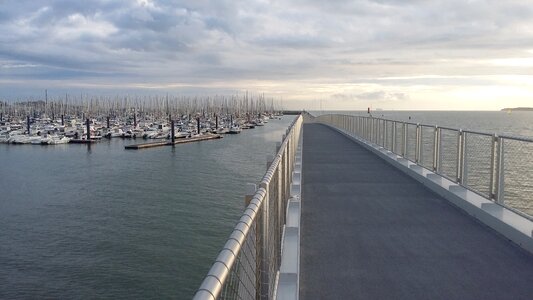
{"x":390,"y":54}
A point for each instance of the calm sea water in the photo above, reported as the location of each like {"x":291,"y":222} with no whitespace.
{"x":106,"y":223}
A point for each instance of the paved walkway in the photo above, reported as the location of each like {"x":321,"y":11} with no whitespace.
{"x":371,"y":232}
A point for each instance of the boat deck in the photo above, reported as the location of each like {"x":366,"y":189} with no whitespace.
{"x":371,"y":232}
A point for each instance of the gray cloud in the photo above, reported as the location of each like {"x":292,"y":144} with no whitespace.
{"x":375,"y":96}
{"x":237,"y":42}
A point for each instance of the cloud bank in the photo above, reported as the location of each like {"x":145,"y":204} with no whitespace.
{"x":405,"y":54}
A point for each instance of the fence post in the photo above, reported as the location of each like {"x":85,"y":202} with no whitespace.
{"x":500,"y":171}
{"x":460,"y":157}
{"x":436,"y":149}
{"x":418,"y":143}
{"x":404,"y":140}
{"x":370,"y":129}
{"x":492,"y":166}
{"x":262,"y":291}
{"x":393,"y":137}
{"x":384,"y":131}
{"x":364,"y":128}
{"x":376,"y":131}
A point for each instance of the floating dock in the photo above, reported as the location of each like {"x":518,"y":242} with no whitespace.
{"x":177,"y":141}
{"x":83,"y":141}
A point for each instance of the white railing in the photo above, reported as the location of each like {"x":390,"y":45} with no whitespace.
{"x":248,"y":265}
{"x":497,"y":167}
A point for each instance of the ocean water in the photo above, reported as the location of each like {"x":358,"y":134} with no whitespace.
{"x":108,"y":223}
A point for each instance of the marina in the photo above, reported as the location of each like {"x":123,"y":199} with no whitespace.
{"x":97,"y":208}
{"x":178,"y":120}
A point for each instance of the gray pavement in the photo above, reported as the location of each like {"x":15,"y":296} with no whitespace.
{"x":371,"y":232}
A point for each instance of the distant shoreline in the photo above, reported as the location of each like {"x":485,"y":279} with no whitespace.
{"x":518,"y":109}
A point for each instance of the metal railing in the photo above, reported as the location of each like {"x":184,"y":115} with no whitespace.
{"x":247,"y":267}
{"x":497,"y":167}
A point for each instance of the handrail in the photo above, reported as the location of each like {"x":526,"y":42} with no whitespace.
{"x":497,"y":167}
{"x":508,"y":136}
{"x":243,"y":266}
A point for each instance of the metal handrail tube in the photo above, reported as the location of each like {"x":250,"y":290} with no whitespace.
{"x":507,"y":136}
{"x":476,"y":162}
{"x":517,"y":138}
{"x":217,"y":276}
{"x":478,"y":132}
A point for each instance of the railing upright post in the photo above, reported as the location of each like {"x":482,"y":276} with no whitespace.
{"x":262,"y":230}
{"x":287,"y":173}
{"x":373,"y":125}
{"x":436,"y":150}
{"x":344,"y":122}
{"x":492,"y":184}
{"x":460,"y":156}
{"x":394,"y":137}
{"x":280,"y":203}
{"x":365,"y":127}
{"x":359,"y":126}
{"x":404,"y":139}
{"x":377,"y":141}
{"x":464,"y":163}
{"x":418,"y":143}
{"x":263,"y":256}
{"x":376,"y":131}
{"x":500,"y":172}
{"x":383,"y":127}
{"x":370,"y":129}
{"x":384,"y":133}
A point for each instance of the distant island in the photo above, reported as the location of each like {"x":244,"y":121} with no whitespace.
{"x":518,"y":109}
